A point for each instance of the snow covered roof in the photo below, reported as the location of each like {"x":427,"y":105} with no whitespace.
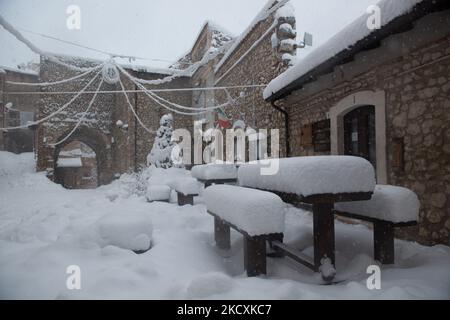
{"x":69,"y":163}
{"x":27,"y":72}
{"x":78,"y":60}
{"x":221,"y":39}
{"x":349,"y":41}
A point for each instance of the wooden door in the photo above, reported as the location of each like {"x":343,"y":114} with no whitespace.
{"x":359,"y":133}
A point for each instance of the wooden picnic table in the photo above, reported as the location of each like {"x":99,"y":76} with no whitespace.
{"x":323,"y":226}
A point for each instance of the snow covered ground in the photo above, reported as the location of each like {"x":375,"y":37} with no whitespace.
{"x":45,"y":228}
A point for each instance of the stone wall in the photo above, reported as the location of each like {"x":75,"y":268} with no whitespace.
{"x":95,"y":131}
{"x":151,"y":112}
{"x":17,"y":141}
{"x":417,"y":92}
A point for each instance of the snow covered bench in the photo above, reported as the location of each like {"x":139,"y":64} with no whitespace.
{"x":318,"y":181}
{"x":158,"y":193}
{"x":210,"y":174}
{"x":389,"y":207}
{"x":257,"y":215}
{"x":187,"y":189}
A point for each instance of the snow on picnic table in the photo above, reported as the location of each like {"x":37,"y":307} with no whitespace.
{"x":48,"y":230}
{"x":306,"y":176}
{"x":215,"y":171}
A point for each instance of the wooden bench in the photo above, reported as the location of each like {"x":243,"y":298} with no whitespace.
{"x":231,"y":207}
{"x":390,"y":207}
{"x":255,"y":250}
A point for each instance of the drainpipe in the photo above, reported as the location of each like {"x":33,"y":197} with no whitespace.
{"x":286,"y":126}
{"x":135,"y":128}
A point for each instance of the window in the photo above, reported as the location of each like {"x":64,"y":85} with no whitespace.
{"x":26,"y":117}
{"x":359,"y":133}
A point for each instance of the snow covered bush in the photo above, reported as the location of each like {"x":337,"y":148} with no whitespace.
{"x":161,"y":154}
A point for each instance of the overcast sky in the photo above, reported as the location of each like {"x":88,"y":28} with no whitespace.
{"x":157,"y":29}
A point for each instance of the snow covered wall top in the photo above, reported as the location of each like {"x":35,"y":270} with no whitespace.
{"x":346,"y":38}
{"x":306,"y":176}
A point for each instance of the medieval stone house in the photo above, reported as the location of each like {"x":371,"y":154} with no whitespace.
{"x":216,"y":59}
{"x":387,"y":99}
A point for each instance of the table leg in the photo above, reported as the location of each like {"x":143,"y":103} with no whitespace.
{"x":384,"y":242}
{"x":324,"y":242}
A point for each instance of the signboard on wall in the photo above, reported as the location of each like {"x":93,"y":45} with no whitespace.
{"x":321,"y":136}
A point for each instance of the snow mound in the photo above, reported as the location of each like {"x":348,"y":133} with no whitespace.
{"x":306,"y":176}
{"x":16,"y":164}
{"x":254,"y":211}
{"x":126,"y":231}
{"x":389,"y":203}
{"x":208,"y":285}
{"x":158,"y":193}
{"x":215,"y":171}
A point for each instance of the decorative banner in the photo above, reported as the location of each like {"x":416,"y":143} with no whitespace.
{"x":223,"y":120}
{"x":110,"y":73}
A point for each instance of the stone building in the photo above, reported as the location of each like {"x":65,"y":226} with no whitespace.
{"x":17,"y":109}
{"x":216,"y":59}
{"x":385,"y":98}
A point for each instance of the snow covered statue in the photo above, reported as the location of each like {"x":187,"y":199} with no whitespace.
{"x":163,"y":149}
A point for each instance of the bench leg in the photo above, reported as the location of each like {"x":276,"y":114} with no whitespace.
{"x":324,"y":245}
{"x":185,"y":199}
{"x":222,"y":234}
{"x":384,"y":242}
{"x":255,"y":256}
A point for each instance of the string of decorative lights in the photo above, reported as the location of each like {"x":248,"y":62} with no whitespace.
{"x":45,"y":84}
{"x":138,"y":91}
{"x":33,"y":123}
{"x":132,"y":109}
{"x":152,"y":94}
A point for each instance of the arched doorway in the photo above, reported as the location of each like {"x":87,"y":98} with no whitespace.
{"x":356,"y":121}
{"x":76,"y":166}
{"x":90,"y":139}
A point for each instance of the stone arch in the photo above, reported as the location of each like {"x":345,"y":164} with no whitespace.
{"x":350,"y":103}
{"x":98,"y":142}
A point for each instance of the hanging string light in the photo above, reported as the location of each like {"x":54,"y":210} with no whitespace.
{"x":82,"y":118}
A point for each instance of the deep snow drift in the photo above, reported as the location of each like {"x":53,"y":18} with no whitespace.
{"x":45,"y":228}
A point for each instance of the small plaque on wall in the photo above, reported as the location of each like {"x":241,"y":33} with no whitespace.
{"x":307,"y":136}
{"x":398,"y":154}
{"x":321,"y":136}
